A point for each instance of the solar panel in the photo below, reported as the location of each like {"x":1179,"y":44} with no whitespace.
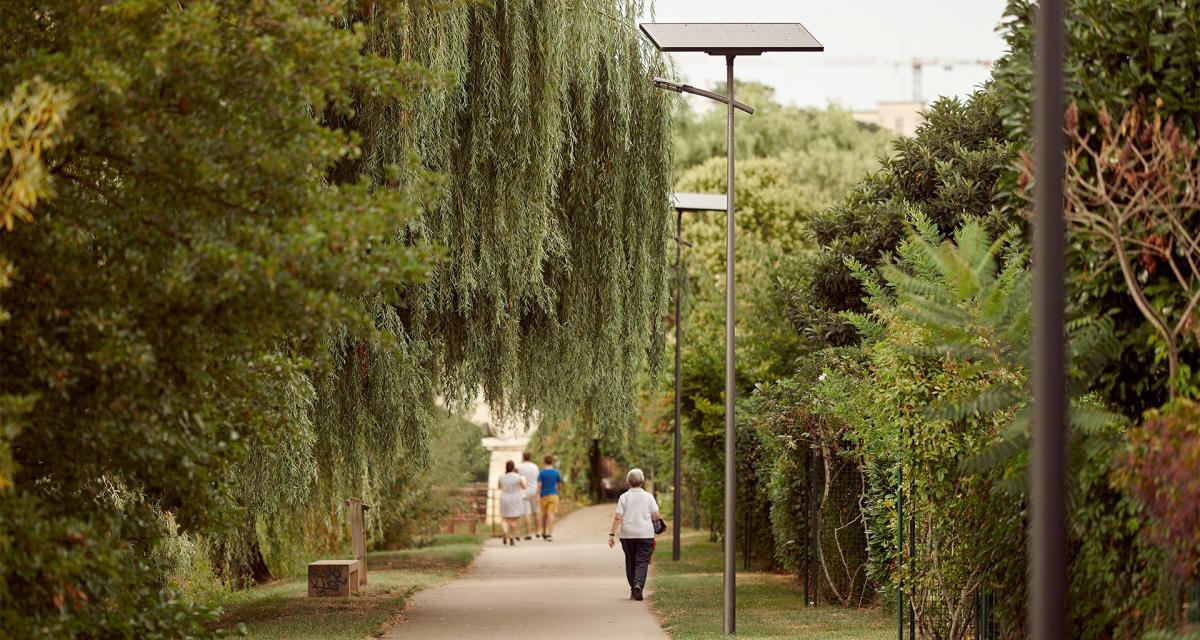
{"x":731,"y":38}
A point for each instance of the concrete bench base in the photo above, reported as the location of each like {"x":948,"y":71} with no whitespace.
{"x":333,"y":578}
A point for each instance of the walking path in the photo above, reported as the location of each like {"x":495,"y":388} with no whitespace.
{"x":573,"y":587}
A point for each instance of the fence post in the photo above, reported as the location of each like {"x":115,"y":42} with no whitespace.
{"x":807,"y":566}
{"x":814,"y":519}
{"x":900,"y":546}
{"x":912,"y":539}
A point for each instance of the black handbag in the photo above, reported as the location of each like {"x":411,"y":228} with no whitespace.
{"x":659,"y":526}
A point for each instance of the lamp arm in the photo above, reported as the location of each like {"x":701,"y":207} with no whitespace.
{"x":679,"y":87}
{"x":687,"y":88}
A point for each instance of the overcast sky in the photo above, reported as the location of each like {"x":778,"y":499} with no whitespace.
{"x":889,"y":32}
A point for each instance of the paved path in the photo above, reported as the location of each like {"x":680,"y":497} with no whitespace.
{"x":573,"y":587}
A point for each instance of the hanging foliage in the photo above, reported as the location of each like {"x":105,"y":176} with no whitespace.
{"x":554,"y":210}
{"x":540,"y":159}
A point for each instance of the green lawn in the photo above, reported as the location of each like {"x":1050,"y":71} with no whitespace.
{"x":283,"y":610}
{"x":687,"y":598}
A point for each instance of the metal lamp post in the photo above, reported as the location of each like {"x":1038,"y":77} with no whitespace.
{"x":729,"y":40}
{"x":684,"y":202}
{"x":1047,"y":504}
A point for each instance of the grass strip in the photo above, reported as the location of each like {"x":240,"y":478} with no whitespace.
{"x":687,"y":598}
{"x":283,"y":610}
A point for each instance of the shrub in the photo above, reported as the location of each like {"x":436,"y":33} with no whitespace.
{"x":951,"y":168}
{"x":949,"y":380}
{"x":1159,"y":467}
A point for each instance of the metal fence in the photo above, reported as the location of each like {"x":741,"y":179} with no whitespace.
{"x":835,"y":566}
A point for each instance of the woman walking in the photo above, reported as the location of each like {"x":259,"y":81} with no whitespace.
{"x":636,"y":513}
{"x":512,"y":500}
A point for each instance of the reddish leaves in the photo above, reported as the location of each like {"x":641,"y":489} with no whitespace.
{"x":1159,"y":469}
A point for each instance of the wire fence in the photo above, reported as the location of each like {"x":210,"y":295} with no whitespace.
{"x":830,"y":495}
{"x":835,"y":567}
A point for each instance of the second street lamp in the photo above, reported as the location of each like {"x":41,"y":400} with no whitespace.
{"x":729,"y":40}
{"x":683,"y":202}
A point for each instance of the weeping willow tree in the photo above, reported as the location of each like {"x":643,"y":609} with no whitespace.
{"x":553,"y":214}
{"x":541,"y":156}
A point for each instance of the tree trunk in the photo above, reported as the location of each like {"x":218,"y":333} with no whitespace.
{"x":595,"y":486}
{"x":259,"y":572}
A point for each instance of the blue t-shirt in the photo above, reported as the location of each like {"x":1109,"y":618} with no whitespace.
{"x":549,"y":479}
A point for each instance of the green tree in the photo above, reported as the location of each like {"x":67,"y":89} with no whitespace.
{"x":1119,"y":56}
{"x":225,"y":323}
{"x":555,"y":151}
{"x":31,"y":121}
{"x":191,"y":261}
{"x":420,"y":495}
{"x":826,"y":141}
{"x":951,"y":168}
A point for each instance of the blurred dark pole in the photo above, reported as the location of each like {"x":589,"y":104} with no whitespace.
{"x":1047,"y":527}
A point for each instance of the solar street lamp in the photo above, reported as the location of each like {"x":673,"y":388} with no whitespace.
{"x":684,"y":202}
{"x":729,"y":40}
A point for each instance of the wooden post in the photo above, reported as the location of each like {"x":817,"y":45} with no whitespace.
{"x":358,"y":538}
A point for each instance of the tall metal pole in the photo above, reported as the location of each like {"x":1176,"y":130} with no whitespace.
{"x":730,"y":433}
{"x":1048,"y":532}
{"x":676,"y":496}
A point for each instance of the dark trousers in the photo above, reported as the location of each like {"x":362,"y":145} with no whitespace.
{"x":637,"y":559}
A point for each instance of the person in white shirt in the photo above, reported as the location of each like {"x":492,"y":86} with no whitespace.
{"x":636,"y":512}
{"x":529,"y":470}
{"x":512,"y":500}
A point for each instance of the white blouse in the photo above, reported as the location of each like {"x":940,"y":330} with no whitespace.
{"x":635,"y":507}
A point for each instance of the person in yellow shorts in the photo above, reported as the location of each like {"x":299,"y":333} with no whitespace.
{"x":548,"y":481}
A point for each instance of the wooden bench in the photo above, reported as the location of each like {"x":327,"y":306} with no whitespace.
{"x":333,"y":578}
{"x":470,"y":508}
{"x":468,"y":519}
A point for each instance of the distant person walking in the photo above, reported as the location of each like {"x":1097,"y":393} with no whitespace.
{"x":512,"y":500}
{"x":529,"y":470}
{"x":636,"y":512}
{"x":548,"y":480}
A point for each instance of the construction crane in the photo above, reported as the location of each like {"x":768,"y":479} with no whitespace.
{"x":916,"y":64}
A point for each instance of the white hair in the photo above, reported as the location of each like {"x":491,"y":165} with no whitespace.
{"x":635,"y":478}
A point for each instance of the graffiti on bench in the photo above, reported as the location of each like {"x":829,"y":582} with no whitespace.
{"x":332,"y":580}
